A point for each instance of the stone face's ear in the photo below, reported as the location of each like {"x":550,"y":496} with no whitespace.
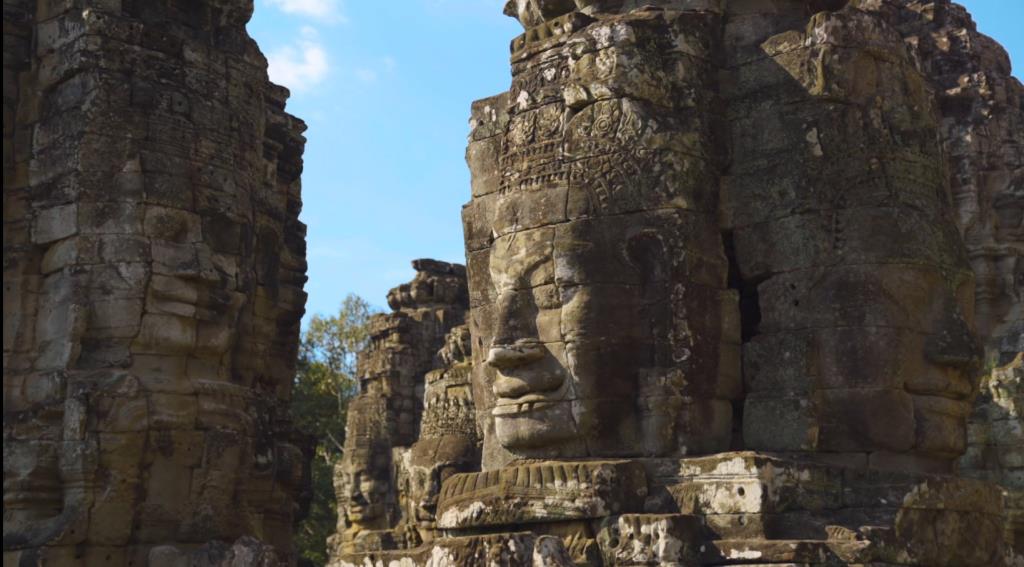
{"x":646,"y":252}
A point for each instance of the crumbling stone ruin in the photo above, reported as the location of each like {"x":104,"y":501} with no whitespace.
{"x":153,"y":273}
{"x":722,"y":260}
{"x":412,"y":423}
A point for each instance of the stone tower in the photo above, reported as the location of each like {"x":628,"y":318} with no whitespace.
{"x":722,"y":261}
{"x":408,"y":404}
{"x":153,"y":273}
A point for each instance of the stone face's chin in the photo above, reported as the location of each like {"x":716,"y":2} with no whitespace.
{"x":942,"y":381}
{"x":534,"y":425}
{"x":363,"y":514}
{"x":941,"y":424}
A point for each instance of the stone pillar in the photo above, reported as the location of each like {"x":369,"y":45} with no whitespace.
{"x":449,"y":442}
{"x":153,"y":273}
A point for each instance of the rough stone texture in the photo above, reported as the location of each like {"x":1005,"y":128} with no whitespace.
{"x":404,"y":343}
{"x":841,"y":224}
{"x":412,"y":424}
{"x":982,"y":110}
{"x":722,"y":310}
{"x":153,"y":273}
{"x":995,"y":450}
{"x":448,"y":443}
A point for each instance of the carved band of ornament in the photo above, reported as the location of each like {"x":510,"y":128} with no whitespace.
{"x":456,"y":375}
{"x":464,"y":428}
{"x":550,"y":147}
{"x":449,"y":400}
{"x":533,"y":183}
{"x":536,"y":175}
{"x":555,"y":477}
{"x":549,"y":33}
{"x":529,"y":80}
{"x":224,"y":390}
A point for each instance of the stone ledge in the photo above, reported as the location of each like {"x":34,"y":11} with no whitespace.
{"x":543,"y":492}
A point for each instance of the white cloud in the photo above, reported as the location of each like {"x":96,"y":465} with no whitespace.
{"x":299,"y":66}
{"x":370,"y":73}
{"x":366,"y":75}
{"x":323,"y":10}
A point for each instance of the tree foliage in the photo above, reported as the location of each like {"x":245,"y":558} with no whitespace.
{"x":326,"y":380}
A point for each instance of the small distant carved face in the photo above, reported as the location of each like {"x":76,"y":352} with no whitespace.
{"x":364,"y":495}
{"x":366,"y":501}
{"x":914,"y":334}
{"x":426,"y":485}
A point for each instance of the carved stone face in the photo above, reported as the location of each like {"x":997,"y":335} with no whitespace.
{"x":433,"y":461}
{"x":887,"y":352}
{"x":923,"y":347}
{"x":364,"y":492}
{"x":596,"y":263}
{"x":587,"y":316}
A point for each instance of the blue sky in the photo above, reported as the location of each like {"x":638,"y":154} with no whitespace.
{"x":385,"y":88}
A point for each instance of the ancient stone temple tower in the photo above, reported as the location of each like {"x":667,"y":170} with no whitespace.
{"x":153,"y":273}
{"x":412,"y":421}
{"x":722,"y":260}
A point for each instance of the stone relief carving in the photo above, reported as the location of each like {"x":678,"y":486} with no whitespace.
{"x":981,"y":106}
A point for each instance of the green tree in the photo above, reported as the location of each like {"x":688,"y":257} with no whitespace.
{"x":325,"y":382}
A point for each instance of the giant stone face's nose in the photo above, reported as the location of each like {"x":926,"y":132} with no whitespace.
{"x":505,"y":357}
{"x":954,"y":343}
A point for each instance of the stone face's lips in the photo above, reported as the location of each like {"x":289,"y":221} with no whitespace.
{"x":534,"y":425}
{"x":508,"y":410}
{"x":530,"y":402}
